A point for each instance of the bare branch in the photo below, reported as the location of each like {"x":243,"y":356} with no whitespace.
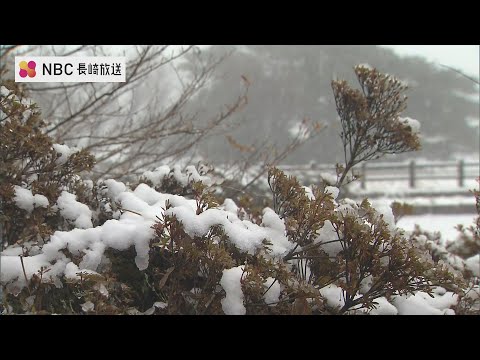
{"x":476,"y":81}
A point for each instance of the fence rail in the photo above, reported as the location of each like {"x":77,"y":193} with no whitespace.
{"x":412,"y":171}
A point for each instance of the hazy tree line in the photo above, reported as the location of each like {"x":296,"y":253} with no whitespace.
{"x":289,"y":83}
{"x":241,"y":105}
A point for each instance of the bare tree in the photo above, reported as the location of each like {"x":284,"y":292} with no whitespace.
{"x":257,"y":158}
{"x":137,"y":124}
{"x":149,"y":120}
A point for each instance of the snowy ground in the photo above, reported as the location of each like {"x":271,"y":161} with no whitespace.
{"x":445,"y":224}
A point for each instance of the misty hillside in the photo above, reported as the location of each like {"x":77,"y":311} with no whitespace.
{"x":289,"y":83}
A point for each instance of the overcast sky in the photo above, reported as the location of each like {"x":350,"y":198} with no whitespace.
{"x":461,"y":57}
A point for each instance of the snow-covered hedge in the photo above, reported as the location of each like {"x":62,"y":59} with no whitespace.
{"x":189,"y":257}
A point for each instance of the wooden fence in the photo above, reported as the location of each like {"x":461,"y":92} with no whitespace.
{"x":410,"y":172}
{"x":413,"y":171}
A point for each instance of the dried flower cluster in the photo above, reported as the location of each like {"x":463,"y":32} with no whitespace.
{"x":370,"y":117}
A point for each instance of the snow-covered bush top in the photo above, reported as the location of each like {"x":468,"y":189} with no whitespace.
{"x":82,"y":252}
{"x":134,"y":228}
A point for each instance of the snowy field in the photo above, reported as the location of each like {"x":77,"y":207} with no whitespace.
{"x":424,"y":186}
{"x":445,"y":224}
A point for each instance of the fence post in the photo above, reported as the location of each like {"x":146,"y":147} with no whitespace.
{"x":363,"y":178}
{"x":412,"y":174}
{"x":461,"y":173}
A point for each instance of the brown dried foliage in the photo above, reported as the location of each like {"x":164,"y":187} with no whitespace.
{"x":28,"y":159}
{"x":370,"y":117}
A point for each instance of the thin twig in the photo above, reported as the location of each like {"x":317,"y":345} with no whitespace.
{"x":25,"y":274}
{"x":133,"y":212}
{"x":461,"y":73}
{"x":273,"y":282}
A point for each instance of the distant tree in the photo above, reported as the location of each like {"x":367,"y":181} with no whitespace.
{"x":289,"y":83}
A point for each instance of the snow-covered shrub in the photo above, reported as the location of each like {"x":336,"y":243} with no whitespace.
{"x":466,"y":271}
{"x":352,"y":246}
{"x":467,"y":244}
{"x":194,"y":255}
{"x":177,"y":181}
{"x":32,"y":177}
{"x":461,"y":255}
{"x":169,"y":245}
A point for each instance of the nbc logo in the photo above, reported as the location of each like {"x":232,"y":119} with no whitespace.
{"x":69,"y":69}
{"x":27,"y":69}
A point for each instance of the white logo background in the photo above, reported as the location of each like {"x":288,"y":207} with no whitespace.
{"x":108,"y":69}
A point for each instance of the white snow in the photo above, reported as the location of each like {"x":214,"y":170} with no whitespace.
{"x":272,"y":220}
{"x":64,"y":151}
{"x":184,"y":178}
{"x":75,"y":211}
{"x":447,"y":191}
{"x":157,"y":176}
{"x":326,"y":234}
{"x":383,"y":307}
{"x":230,"y":206}
{"x":346,"y":206}
{"x":473,"y":264}
{"x":412,"y":123}
{"x":445,"y":224}
{"x":365,"y":65}
{"x":40,"y":201}
{"x":333,"y":191}
{"x":366,"y":284}
{"x":232,"y":304}
{"x":114,"y":188}
{"x":309,"y":193}
{"x":422,"y":304}
{"x":11,"y":267}
{"x":383,"y":207}
{"x":246,"y":235}
{"x":333,"y":296}
{"x":12,"y":251}
{"x":193,"y":175}
{"x":25,"y":200}
{"x":273,"y":294}
{"x":73,"y":272}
